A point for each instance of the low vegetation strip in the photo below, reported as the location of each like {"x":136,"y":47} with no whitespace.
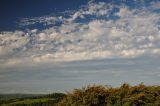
{"x":41,"y":100}
{"x":125,"y":95}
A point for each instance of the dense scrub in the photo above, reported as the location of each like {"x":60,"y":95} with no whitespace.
{"x":126,"y":95}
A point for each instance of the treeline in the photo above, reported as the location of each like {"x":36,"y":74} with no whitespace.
{"x":125,"y":95}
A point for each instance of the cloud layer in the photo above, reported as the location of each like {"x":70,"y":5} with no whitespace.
{"x":98,"y":30}
{"x":100,"y":42}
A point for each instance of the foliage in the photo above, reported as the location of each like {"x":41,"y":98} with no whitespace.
{"x":126,"y":95}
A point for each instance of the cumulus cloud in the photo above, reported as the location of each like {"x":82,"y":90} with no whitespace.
{"x":126,"y":33}
{"x":124,"y":12}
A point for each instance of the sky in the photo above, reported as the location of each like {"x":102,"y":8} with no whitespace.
{"x":55,"y":46}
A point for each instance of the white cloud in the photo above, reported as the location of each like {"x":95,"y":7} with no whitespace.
{"x":135,"y":33}
{"x":124,"y":12}
{"x":46,"y":20}
{"x":75,"y":16}
{"x":11,"y":41}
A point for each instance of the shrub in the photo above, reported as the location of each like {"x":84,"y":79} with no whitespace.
{"x":125,"y":95}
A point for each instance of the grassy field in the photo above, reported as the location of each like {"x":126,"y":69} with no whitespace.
{"x":32,"y":100}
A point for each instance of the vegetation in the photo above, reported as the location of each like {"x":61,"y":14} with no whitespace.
{"x":125,"y":95}
{"x":17,"y":96}
{"x":41,"y":100}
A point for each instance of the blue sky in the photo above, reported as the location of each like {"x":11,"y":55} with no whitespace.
{"x":49,"y":46}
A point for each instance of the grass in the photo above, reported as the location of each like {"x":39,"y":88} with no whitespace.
{"x":48,"y":100}
{"x":30,"y":101}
